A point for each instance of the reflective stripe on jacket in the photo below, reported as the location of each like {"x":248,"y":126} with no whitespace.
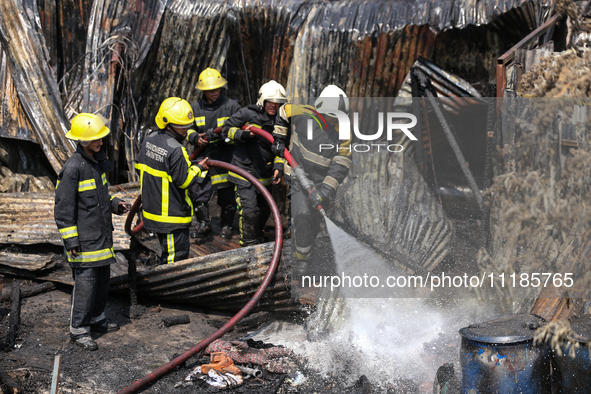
{"x":83,"y":209}
{"x":165,"y":176}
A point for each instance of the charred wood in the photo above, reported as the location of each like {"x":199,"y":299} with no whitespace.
{"x":15,"y":313}
{"x":30,"y":291}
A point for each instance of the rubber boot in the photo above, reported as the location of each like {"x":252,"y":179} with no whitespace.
{"x":227,"y":218}
{"x":203,"y":221}
{"x":249,"y":223}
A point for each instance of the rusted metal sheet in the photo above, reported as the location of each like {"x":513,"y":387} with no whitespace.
{"x":107,"y":57}
{"x":407,"y":222}
{"x":13,"y":121}
{"x":27,"y":218}
{"x":34,"y":80}
{"x":224,"y":280}
{"x":214,"y":245}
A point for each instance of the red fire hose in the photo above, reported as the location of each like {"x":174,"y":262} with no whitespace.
{"x":153,"y":376}
{"x":298,"y":172}
{"x":306,"y":184}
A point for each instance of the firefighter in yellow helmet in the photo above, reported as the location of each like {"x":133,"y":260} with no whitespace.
{"x":82,"y":212}
{"x":166,"y":174}
{"x":253,"y":154}
{"x":211,"y":111}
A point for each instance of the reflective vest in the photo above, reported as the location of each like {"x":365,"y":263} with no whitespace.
{"x":165,"y":176}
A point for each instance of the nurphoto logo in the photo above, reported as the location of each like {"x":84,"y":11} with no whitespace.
{"x":402,"y":121}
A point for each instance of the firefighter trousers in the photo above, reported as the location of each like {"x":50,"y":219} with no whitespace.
{"x":253,"y":211}
{"x":175,"y":246}
{"x":89,"y":298}
{"x":305,"y":222}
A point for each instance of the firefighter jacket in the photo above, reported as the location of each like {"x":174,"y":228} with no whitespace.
{"x":211,"y":116}
{"x":83,"y":209}
{"x":324,"y":158}
{"x":252,"y":154}
{"x":165,"y":176}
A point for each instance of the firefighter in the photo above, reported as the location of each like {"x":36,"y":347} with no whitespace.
{"x":326,"y":168}
{"x":211,"y":112}
{"x":253,"y":154}
{"x":166,"y":174}
{"x":82,"y":212}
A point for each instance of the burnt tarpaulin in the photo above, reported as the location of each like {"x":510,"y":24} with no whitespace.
{"x":34,"y":80}
{"x":123,"y":59}
{"x":119,"y":36}
{"x":13,"y":121}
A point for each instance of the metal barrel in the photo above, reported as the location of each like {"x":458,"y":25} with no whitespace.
{"x":499,"y":357}
{"x":573,"y":375}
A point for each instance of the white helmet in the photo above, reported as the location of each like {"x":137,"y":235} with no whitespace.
{"x":273,"y":92}
{"x":332,"y":98}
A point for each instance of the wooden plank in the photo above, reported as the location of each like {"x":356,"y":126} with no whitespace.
{"x":31,"y":262}
{"x":55,"y":379}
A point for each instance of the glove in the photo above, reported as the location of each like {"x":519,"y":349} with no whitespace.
{"x":278,"y":147}
{"x":277,"y":175}
{"x":123,"y":207}
{"x":326,"y":192}
{"x":211,"y":136}
{"x":322,"y":196}
{"x":315,"y":198}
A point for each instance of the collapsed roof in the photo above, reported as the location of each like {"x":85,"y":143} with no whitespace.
{"x":121,"y":59}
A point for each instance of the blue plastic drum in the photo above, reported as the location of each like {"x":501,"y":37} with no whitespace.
{"x":499,"y":357}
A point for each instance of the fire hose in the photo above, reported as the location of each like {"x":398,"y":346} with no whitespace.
{"x":306,"y":184}
{"x":153,"y":376}
{"x":299,"y":173}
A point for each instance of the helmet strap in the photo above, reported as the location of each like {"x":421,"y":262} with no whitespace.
{"x":173,"y":131}
{"x":342,"y":105}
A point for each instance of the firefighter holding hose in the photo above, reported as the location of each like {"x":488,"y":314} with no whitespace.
{"x":253,"y":153}
{"x":325,"y":169}
{"x":82,"y":212}
{"x":166,"y":174}
{"x":211,"y":111}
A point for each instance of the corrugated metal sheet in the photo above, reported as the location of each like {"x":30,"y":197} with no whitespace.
{"x":138,"y":53}
{"x":34,"y":80}
{"x":13,"y":121}
{"x":224,"y":280}
{"x":27,"y":218}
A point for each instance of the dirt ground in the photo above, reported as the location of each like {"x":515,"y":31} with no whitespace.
{"x":144,"y":344}
{"x":138,"y":348}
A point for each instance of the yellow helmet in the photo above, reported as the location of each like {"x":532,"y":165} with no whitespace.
{"x":210,"y":79}
{"x":176,"y":111}
{"x":88,"y":127}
